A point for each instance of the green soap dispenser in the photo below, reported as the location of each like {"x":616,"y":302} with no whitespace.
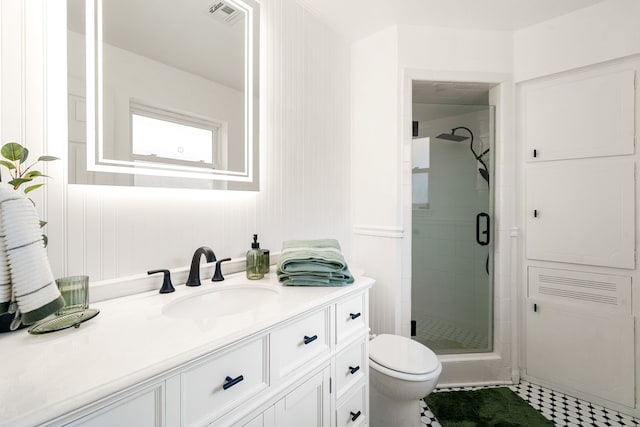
{"x":254,"y":258}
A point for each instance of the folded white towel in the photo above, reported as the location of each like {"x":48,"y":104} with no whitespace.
{"x":27,"y":275}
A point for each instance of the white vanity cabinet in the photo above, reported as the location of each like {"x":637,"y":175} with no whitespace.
{"x":338,"y":393}
{"x":308,"y":370}
{"x":140,"y":408}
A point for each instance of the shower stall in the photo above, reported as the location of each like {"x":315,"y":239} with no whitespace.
{"x":452,"y":227}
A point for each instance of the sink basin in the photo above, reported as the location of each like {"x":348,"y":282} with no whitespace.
{"x":221,"y":302}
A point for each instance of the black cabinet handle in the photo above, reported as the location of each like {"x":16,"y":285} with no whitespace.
{"x":354,"y":370}
{"x":230,"y":382}
{"x":355,"y":315}
{"x":535,"y":213}
{"x":308,"y":340}
{"x":355,"y":415}
{"x":535,"y":153}
{"x":479,"y":240}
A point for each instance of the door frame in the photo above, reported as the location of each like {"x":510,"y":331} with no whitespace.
{"x":501,"y":365}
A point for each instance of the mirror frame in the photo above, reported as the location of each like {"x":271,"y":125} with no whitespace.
{"x":96,"y":162}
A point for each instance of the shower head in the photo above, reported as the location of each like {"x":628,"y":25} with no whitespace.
{"x":452,"y":137}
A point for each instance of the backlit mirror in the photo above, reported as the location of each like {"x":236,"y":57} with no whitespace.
{"x":163,"y":93}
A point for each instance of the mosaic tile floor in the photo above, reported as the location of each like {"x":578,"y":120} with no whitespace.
{"x":563,"y":410}
{"x":446,"y":337}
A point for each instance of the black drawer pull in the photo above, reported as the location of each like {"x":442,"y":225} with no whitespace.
{"x":308,"y":340}
{"x":230,"y":382}
{"x":354,"y":370}
{"x":354,"y":315}
{"x":355,"y":415}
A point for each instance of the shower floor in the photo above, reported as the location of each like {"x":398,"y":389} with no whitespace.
{"x":444,"y":337}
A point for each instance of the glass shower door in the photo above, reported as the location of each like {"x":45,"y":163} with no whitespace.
{"x":452,"y":231}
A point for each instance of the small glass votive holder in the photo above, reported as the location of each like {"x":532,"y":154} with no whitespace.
{"x":75,"y":291}
{"x":265,"y":262}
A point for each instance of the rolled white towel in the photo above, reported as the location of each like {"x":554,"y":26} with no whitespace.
{"x":34,"y":288}
{"x":5,"y":275}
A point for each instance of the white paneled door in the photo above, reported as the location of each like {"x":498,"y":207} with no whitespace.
{"x":588,"y":114}
{"x":582,"y":211}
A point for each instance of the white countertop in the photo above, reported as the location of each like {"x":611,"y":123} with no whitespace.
{"x":45,"y":376}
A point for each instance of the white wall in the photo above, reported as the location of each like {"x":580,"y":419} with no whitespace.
{"x":374,"y":84}
{"x":447,"y":49}
{"x":22,"y":35}
{"x":375,"y":175}
{"x":113,"y":232}
{"x":605,"y":31}
{"x":383,"y":66}
{"x":379,"y":63}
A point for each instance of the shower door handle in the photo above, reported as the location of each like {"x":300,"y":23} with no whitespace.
{"x":483,"y":240}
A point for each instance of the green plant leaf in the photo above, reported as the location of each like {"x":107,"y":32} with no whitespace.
{"x":43,"y":223}
{"x":47,"y":158}
{"x":45,"y":240}
{"x":24,"y":155}
{"x":7,"y":164}
{"x":34,"y":174}
{"x":12,"y":151}
{"x":32,"y":187}
{"x":19,"y":181}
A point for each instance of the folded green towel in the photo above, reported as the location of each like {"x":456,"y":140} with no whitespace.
{"x":313,"y":263}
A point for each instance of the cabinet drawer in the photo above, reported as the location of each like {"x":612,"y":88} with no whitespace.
{"x":352,"y":410}
{"x":218,"y":384}
{"x":350,"y":317}
{"x":299,"y":343}
{"x":351,"y":366}
{"x":142,"y":409}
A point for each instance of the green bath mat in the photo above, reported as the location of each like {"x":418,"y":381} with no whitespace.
{"x":498,"y":407}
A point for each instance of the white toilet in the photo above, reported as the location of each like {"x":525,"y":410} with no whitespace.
{"x":401,"y":372}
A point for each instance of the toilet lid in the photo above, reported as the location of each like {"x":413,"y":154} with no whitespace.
{"x":402,"y":354}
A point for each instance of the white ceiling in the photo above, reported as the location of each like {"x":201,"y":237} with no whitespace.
{"x":455,"y":93}
{"x":358,"y":18}
{"x":178,"y":33}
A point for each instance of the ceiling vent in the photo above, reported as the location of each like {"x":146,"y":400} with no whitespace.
{"x":224,"y":12}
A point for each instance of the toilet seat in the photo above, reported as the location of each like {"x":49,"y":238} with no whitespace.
{"x":403,"y":358}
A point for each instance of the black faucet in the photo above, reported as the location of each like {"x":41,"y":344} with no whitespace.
{"x":194,"y":272}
